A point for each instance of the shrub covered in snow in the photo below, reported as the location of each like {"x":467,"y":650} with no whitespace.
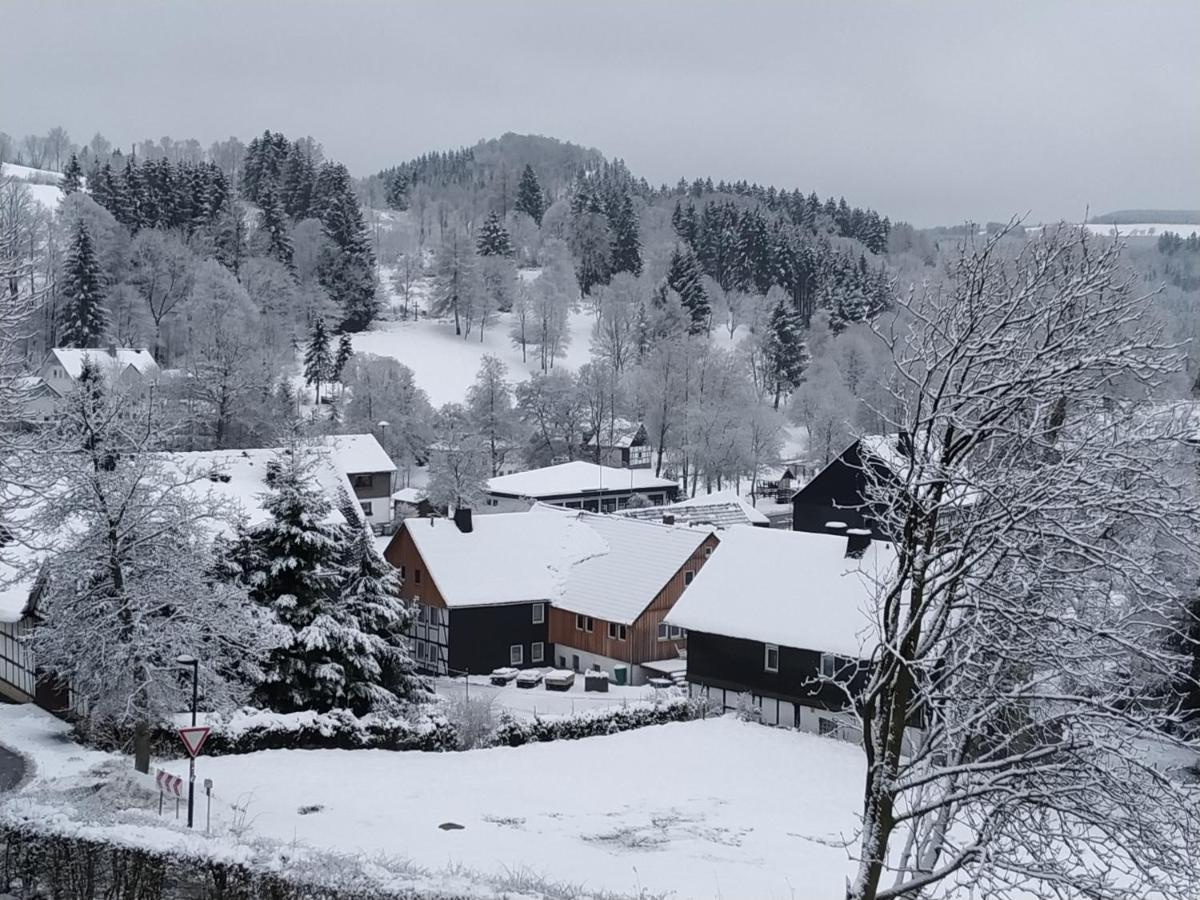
{"x":611,"y":720}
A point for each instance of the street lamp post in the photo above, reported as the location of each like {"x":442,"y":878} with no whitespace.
{"x":195,"y":664}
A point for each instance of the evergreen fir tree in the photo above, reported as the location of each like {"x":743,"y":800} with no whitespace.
{"x":626,"y":242}
{"x":274,"y":225}
{"x":298,"y":178}
{"x":83,"y":319}
{"x":72,"y":176}
{"x":369,"y":632}
{"x":684,"y":277}
{"x":295,"y":565}
{"x":786,"y":350}
{"x":493,"y":237}
{"x":530,"y":199}
{"x":345,"y":350}
{"x":347,"y":267}
{"x":397,"y":191}
{"x":318,"y":363}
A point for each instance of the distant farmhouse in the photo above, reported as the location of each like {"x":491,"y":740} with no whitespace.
{"x":548,"y":587}
{"x":783,"y":621}
{"x":577,"y":485}
{"x":121,"y":368}
{"x":624,"y":446}
{"x":838,"y":493}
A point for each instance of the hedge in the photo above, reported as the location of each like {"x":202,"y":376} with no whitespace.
{"x":611,"y":720}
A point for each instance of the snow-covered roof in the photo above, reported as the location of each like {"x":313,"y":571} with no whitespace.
{"x":602,"y":566}
{"x":623,"y":434}
{"x":573,"y":478}
{"x":505,"y":558}
{"x":409,"y":495}
{"x":722,"y":509}
{"x":789,"y":588}
{"x":357,"y":454}
{"x":116,"y":359}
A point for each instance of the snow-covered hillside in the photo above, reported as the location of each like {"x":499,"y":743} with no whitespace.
{"x":1141,"y":229}
{"x":42,"y":183}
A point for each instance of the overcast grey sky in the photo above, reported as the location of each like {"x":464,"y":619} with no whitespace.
{"x":930,"y":112}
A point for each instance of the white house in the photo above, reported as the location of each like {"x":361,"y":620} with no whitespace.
{"x":577,"y":485}
{"x":120,"y":366}
{"x":371,"y":472}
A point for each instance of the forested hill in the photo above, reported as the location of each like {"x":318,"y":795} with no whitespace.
{"x":742,"y":235}
{"x":1162,"y":216}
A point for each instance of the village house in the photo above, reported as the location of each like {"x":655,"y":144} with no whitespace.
{"x":370,"y":471}
{"x":782,"y":621}
{"x":548,"y":587}
{"x":838,"y":493}
{"x":122,"y":368}
{"x":625,"y":446}
{"x":577,"y":485}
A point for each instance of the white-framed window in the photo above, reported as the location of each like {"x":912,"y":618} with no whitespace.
{"x":707,"y":552}
{"x":771,"y":657}
{"x":616,"y":632}
{"x":492,"y":501}
{"x":537,"y":652}
{"x":688,"y":576}
{"x":677,"y":633}
{"x":589,"y":624}
{"x":664,"y":631}
{"x":422,"y":613}
{"x":366,"y":507}
{"x":516,"y":654}
{"x":421,"y":650}
{"x":579,"y":622}
{"x":539,"y":613}
{"x":829,"y":665}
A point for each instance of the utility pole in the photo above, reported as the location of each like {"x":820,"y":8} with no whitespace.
{"x":195,"y":664}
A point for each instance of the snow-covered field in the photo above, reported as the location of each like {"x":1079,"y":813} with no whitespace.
{"x":445,"y":364}
{"x":715,"y":808}
{"x":47,"y":195}
{"x":1141,"y":229}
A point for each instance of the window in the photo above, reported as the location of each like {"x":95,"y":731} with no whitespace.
{"x":771,"y":658}
{"x":537,"y":651}
{"x":422,"y":613}
{"x":562,"y":662}
{"x":829,"y":665}
{"x":416,"y":576}
{"x":492,"y":501}
{"x":366,"y":507}
{"x":403,"y":575}
{"x":539,"y":613}
{"x":616,"y":632}
{"x":589,"y":624}
{"x":664,"y":631}
{"x":677,"y":633}
{"x":578,"y":622}
{"x":707,"y":552}
{"x":516,"y":654}
{"x":688,"y":576}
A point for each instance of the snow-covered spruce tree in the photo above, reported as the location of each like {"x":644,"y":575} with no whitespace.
{"x":493,"y":238}
{"x":685,"y":278}
{"x":72,"y":179}
{"x":345,"y":350}
{"x":785,"y":350}
{"x":83,"y":320}
{"x":273,"y":226}
{"x":130,"y":578}
{"x":626,"y":240}
{"x":347,"y":265}
{"x":1045,"y":525}
{"x":295,"y":564}
{"x":530,"y":199}
{"x":369,"y":630}
{"x":318,"y":361}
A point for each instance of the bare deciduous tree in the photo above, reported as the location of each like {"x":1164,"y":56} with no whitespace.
{"x":1045,"y":523}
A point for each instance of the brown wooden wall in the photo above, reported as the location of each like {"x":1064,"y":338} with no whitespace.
{"x":402,"y":553}
{"x":641,"y":643}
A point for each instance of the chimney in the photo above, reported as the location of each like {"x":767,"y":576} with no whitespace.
{"x":668,"y":518}
{"x":462,"y":518}
{"x":857,"y":542}
{"x":835,"y":527}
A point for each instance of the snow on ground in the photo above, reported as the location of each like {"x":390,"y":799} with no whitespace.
{"x":445,"y":364}
{"x":1141,"y":229}
{"x":715,"y":808}
{"x":528,"y":703}
{"x":45,"y":743}
{"x":48,"y":195}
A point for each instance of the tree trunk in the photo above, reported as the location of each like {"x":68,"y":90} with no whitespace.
{"x":141,"y":747}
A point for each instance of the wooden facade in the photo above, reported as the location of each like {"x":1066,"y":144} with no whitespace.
{"x":838,"y":494}
{"x":18,"y":679}
{"x":642,"y":642}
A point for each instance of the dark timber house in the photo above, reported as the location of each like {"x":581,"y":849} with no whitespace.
{"x":548,"y":587}
{"x":838,"y":493}
{"x":781,"y":620}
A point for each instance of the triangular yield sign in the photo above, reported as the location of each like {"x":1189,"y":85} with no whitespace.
{"x":193,"y":738}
